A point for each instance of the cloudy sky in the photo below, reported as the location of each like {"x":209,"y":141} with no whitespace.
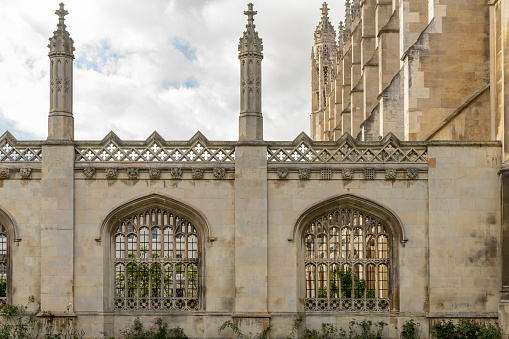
{"x":165,"y":65}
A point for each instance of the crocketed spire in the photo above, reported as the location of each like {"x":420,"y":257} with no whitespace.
{"x":348,"y":22}
{"x":250,"y":41}
{"x":324,"y":27}
{"x":61,"y":43}
{"x":341,"y":38}
{"x":356,"y":9}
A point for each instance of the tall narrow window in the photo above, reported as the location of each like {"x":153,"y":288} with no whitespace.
{"x":156,"y":262}
{"x":3,"y":264}
{"x":347,"y":260}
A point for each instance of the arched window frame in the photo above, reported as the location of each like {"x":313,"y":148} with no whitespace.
{"x":9,"y":227}
{"x":376,"y":211}
{"x":141,"y":205}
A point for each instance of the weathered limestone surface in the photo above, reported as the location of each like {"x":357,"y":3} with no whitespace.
{"x":447,"y":200}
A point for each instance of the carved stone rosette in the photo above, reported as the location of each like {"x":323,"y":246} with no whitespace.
{"x":304,"y":173}
{"x":154,"y":173}
{"x":219,"y":173}
{"x":412,"y":173}
{"x":4,"y":173}
{"x":390,"y":174}
{"x":176,"y":173}
{"x":347,"y":173}
{"x":197,"y":173}
{"x":133,"y":173}
{"x":111,"y":173}
{"x":89,"y":172}
{"x":282,"y":172}
{"x":26,"y":173}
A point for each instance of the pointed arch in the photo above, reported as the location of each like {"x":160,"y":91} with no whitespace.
{"x":353,"y":238}
{"x":152,"y":201}
{"x":9,"y":233}
{"x":382,"y":213}
{"x":154,"y":255}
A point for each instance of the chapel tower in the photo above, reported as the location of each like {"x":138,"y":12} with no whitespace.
{"x":61,"y":55}
{"x":250,"y":56}
{"x":323,"y":62}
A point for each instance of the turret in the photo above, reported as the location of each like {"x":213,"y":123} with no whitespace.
{"x":325,"y":49}
{"x":250,"y":56}
{"x":61,"y":55}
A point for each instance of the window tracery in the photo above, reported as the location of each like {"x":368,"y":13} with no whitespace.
{"x":4,"y":248}
{"x":156,"y":262}
{"x":347,"y":260}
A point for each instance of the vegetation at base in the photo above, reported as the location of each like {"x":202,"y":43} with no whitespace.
{"x":364,"y":329}
{"x":465,"y":329}
{"x":20,"y":323}
{"x":410,"y":330}
{"x":236,"y":330}
{"x":158,"y":330}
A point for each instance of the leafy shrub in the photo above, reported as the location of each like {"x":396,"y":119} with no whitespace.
{"x":238,"y":332}
{"x":364,"y":329}
{"x":22,"y":324}
{"x":158,"y":330}
{"x":410,"y":330}
{"x":465,"y":329}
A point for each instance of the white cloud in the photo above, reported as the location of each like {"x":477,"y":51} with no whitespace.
{"x":169,"y":66}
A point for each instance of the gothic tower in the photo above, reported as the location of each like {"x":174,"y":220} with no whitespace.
{"x":61,"y":121}
{"x":323,"y":62}
{"x":250,"y":56}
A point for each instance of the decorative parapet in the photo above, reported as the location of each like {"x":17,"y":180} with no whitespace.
{"x":155,"y":150}
{"x":389,"y":150}
{"x":12,"y":150}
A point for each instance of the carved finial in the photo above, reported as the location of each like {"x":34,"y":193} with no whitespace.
{"x":250,"y":16}
{"x":61,"y":12}
{"x":61,"y":43}
{"x":325,"y":10}
{"x":250,"y":42}
{"x":348,"y":19}
{"x":324,"y":28}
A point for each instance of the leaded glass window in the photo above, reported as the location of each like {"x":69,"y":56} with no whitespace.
{"x":3,"y":264}
{"x":347,"y":261}
{"x":156,"y":262}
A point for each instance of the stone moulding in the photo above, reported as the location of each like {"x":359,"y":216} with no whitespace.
{"x":89,"y":172}
{"x":339,"y":172}
{"x":154,"y":173}
{"x":133,"y":173}
{"x":197,"y":173}
{"x":282,"y":172}
{"x":111,"y":173}
{"x":219,"y":173}
{"x":26,"y":173}
{"x":176,"y":173}
{"x":304,"y":173}
{"x":390,"y":174}
{"x":5,"y":173}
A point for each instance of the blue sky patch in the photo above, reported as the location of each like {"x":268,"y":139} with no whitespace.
{"x":96,"y":56}
{"x":188,"y":83}
{"x":185,"y":47}
{"x":9,"y":125}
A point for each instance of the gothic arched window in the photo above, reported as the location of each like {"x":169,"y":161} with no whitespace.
{"x":4,"y":262}
{"x":347,"y":261}
{"x":156,"y":262}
